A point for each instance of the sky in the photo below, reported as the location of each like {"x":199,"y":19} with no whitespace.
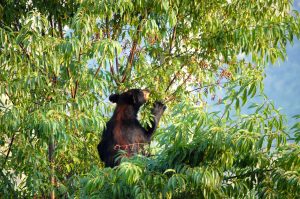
{"x":282,"y":83}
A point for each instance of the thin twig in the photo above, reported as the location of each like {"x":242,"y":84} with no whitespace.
{"x":112,"y":71}
{"x":174,"y":78}
{"x":150,"y":72}
{"x":207,"y":86}
{"x":98,"y":69}
{"x":9,"y":149}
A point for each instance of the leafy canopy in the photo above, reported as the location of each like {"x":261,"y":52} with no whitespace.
{"x":205,"y":59}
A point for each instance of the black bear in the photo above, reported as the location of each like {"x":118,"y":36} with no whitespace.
{"x":124,"y":129}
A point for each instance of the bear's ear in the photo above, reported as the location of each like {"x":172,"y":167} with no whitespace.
{"x":114,"y":98}
{"x":132,"y":97}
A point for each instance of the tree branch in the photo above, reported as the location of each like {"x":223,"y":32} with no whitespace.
{"x":97,"y":71}
{"x":60,"y":28}
{"x":75,"y":89}
{"x":68,"y":73}
{"x":172,"y":39}
{"x":107,"y":28}
{"x":248,"y":173}
{"x":129,"y":62}
{"x":116,"y":28}
{"x":128,"y":68}
{"x":25,"y":51}
{"x":171,"y":97}
{"x":117,"y":62}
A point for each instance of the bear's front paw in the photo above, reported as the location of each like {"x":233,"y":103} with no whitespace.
{"x":159,"y":107}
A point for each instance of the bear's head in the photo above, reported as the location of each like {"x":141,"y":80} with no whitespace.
{"x":135,"y":97}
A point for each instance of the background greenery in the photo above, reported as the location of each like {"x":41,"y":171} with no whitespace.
{"x":59,"y":62}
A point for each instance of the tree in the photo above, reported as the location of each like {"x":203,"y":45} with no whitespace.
{"x":59,"y":64}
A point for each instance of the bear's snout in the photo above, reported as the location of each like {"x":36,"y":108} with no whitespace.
{"x":146,"y":94}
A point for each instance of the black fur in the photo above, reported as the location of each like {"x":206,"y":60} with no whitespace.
{"x":124,"y":128}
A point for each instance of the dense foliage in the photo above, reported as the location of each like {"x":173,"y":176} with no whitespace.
{"x":204,"y":59}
